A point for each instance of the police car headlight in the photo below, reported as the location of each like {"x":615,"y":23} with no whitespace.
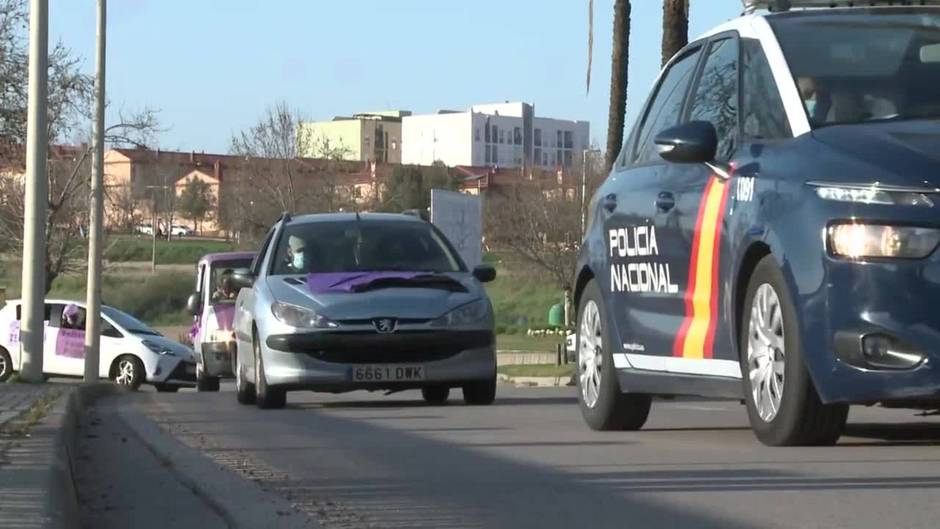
{"x":871,"y":240}
{"x":300,"y":317}
{"x":469,"y":314}
{"x":873,"y":195}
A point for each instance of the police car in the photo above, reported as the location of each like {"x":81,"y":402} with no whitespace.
{"x":769,"y":231}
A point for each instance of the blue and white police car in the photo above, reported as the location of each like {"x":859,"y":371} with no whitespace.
{"x":769,"y":231}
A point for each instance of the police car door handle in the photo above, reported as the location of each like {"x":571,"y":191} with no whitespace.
{"x":665,"y":201}
{"x":610,"y":202}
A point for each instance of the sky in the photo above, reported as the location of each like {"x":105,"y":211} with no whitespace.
{"x":212,"y":67}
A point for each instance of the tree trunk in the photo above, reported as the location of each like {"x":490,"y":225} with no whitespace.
{"x":675,"y":27}
{"x":620,"y":61}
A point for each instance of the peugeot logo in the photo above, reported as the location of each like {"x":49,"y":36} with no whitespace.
{"x":385,"y":325}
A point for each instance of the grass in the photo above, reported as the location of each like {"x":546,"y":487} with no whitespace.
{"x":521,"y":298}
{"x":532,"y":344}
{"x":124,"y":249}
{"x":537,"y":370}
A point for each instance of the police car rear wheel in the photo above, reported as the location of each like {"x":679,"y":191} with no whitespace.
{"x":782,"y":403}
{"x":6,"y":365}
{"x":603,"y":405}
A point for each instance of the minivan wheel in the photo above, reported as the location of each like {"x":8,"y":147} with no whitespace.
{"x":204,"y":382}
{"x":603,"y":405}
{"x":783,"y":406}
{"x":244,"y":390}
{"x":266,"y":397}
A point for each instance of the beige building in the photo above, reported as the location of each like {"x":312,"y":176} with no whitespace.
{"x":365,"y":137}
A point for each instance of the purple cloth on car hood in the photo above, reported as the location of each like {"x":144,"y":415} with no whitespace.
{"x":348,"y":282}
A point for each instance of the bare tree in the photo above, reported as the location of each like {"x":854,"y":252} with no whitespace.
{"x":675,"y":27}
{"x":538,"y":222}
{"x":620,"y":62}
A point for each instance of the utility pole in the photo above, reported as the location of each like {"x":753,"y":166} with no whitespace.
{"x":93,"y":299}
{"x":37,"y":195}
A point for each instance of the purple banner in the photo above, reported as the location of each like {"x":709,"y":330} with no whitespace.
{"x":224,"y":316}
{"x":346,"y":282}
{"x":70,"y":343}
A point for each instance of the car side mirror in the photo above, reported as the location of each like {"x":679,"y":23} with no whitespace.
{"x":692,"y":142}
{"x":484,"y":273}
{"x":242,"y":278}
{"x":193,"y":306}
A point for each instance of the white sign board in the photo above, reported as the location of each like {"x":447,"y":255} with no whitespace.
{"x":460,"y":218}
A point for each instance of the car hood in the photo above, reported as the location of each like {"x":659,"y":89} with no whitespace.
{"x":902,"y":153}
{"x":181,"y":350}
{"x":412,"y":303}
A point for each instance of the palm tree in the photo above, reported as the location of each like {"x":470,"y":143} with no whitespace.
{"x":675,"y":27}
{"x":620,"y":61}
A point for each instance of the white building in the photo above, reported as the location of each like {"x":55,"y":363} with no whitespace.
{"x":497,"y":135}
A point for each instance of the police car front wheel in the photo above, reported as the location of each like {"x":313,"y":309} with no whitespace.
{"x":603,"y":405}
{"x":782,"y":403}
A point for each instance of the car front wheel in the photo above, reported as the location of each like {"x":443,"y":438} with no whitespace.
{"x":6,"y":365}
{"x":782,"y":403}
{"x":266,"y":397}
{"x":603,"y":405}
{"x":244,"y":390}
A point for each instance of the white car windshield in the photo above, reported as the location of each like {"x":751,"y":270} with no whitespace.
{"x":128,"y":322}
{"x":859,"y":65}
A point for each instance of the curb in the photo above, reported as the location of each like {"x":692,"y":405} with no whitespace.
{"x":61,"y":505}
{"x":536,"y":382}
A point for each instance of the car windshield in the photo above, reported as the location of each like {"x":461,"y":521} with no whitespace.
{"x":364,"y":245}
{"x":860,"y":65}
{"x":128,"y":322}
{"x":223,"y":292}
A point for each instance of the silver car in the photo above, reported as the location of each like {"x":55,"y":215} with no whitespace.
{"x":344,"y":302}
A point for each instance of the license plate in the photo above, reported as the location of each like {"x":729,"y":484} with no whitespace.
{"x":391,"y":373}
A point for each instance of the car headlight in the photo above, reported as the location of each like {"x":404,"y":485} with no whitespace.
{"x":872,"y":195}
{"x":300,"y":317}
{"x":469,"y":314}
{"x":872,"y":240}
{"x":159,"y":349}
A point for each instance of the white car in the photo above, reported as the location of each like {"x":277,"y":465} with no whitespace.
{"x":145,"y":229}
{"x":180,"y":231}
{"x":131,"y":352}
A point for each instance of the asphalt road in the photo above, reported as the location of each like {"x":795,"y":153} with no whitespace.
{"x":364,"y":460}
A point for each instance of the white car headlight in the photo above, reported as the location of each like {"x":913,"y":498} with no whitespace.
{"x":300,"y":317}
{"x":872,"y":195}
{"x":159,"y":349}
{"x":871,"y":240}
{"x":469,"y":314}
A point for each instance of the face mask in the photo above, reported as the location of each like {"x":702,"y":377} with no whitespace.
{"x":297,"y":261}
{"x":811,"y":107}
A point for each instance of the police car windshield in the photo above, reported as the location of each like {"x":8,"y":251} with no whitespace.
{"x":859,"y":65}
{"x":363,"y":246}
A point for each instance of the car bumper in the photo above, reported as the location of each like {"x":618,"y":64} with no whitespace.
{"x":179,"y":372}
{"x":896,"y":300}
{"x":217,"y":358}
{"x":326,"y":361}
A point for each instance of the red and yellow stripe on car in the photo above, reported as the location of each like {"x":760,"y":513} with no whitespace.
{"x":697,"y":335}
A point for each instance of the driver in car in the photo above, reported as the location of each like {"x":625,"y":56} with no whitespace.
{"x":296,"y":248}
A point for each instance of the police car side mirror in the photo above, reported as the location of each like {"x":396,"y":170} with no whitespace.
{"x":192,"y":304}
{"x":692,"y":142}
{"x":242,"y":278}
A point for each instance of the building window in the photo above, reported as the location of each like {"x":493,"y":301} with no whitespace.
{"x":502,"y":136}
{"x":569,"y":139}
{"x":545,"y":159}
{"x":559,"y":158}
{"x":487,"y":132}
{"x":538,"y":137}
{"x":537,"y":158}
{"x":486,"y":157}
{"x":495,"y":155}
{"x":493,"y":134}
{"x":476,"y":135}
{"x":517,"y":136}
{"x":558,"y":140}
{"x":568,"y":158}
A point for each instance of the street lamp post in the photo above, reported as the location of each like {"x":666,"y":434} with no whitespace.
{"x":93,"y":300}
{"x":37,"y":191}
